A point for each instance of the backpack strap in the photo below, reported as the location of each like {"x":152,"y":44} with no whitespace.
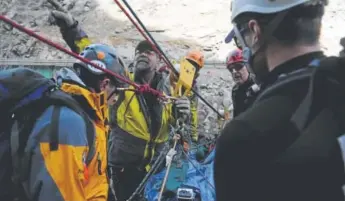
{"x":61,"y":98}
{"x":284,"y":79}
{"x":23,"y":120}
{"x":54,"y":129}
{"x":323,"y":77}
{"x":320,"y":119}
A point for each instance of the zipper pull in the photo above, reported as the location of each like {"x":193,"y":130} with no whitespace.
{"x":86,"y":169}
{"x":99,"y":164}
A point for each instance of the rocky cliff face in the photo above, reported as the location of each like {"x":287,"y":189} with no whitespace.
{"x":34,"y":15}
{"x":177,"y":26}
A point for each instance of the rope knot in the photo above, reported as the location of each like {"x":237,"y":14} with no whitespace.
{"x":145,"y":88}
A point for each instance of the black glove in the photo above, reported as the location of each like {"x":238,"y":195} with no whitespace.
{"x":63,"y":20}
{"x":183,"y":106}
{"x":69,"y":29}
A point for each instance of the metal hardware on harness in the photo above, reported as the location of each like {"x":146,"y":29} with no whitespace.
{"x":154,"y":168}
{"x":152,"y":171}
{"x":185,"y":194}
{"x":166,"y":174}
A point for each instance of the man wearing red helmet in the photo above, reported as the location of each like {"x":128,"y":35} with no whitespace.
{"x":244,"y":91}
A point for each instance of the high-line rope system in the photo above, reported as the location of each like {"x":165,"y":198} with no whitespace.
{"x":156,"y":47}
{"x":140,"y":88}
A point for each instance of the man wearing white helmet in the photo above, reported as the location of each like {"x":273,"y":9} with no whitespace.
{"x":261,"y":154}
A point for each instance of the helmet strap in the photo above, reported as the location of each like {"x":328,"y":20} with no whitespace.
{"x":248,"y":54}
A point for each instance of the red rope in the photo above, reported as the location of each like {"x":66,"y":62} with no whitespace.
{"x":140,"y":88}
{"x":155,"y":47}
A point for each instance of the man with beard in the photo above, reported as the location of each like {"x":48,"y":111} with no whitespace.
{"x":140,"y":128}
{"x":245,"y":89}
{"x":263,"y":154}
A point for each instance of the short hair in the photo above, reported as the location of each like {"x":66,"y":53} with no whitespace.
{"x":301,"y":25}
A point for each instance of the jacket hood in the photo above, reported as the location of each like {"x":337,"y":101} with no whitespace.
{"x":67,"y":74}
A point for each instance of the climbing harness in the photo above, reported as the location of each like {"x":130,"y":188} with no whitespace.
{"x":154,"y":168}
{"x":170,"y":155}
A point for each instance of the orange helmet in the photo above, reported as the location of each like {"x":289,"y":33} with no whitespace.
{"x":197,"y":57}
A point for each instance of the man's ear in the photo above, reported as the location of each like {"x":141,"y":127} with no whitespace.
{"x":105,"y":82}
{"x":255,"y":30}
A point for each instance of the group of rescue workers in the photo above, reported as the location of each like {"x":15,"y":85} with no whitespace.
{"x":138,"y":124}
{"x":256,"y":154}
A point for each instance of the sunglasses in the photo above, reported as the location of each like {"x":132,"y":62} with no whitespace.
{"x":239,"y":31}
{"x":235,"y":67}
{"x":147,"y":52}
{"x":237,"y":43}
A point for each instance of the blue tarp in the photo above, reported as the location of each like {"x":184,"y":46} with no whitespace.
{"x":191,"y":173}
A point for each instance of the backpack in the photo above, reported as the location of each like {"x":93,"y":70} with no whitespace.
{"x":320,"y":116}
{"x":24,"y":95}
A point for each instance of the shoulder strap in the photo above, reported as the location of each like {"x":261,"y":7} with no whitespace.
{"x":323,"y":78}
{"x":284,"y":79}
{"x":321,"y":121}
{"x":54,"y":129}
{"x":60,"y":98}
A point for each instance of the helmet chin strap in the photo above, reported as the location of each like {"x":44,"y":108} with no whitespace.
{"x":246,"y":51}
{"x":248,"y":54}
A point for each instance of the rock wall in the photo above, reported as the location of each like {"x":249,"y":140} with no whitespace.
{"x":177,"y":25}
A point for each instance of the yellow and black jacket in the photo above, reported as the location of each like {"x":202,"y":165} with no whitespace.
{"x":138,"y":131}
{"x":140,"y":126}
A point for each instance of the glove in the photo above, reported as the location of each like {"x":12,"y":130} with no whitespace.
{"x":183,"y":105}
{"x":69,"y":28}
{"x":342,"y":43}
{"x":63,"y":20}
{"x":169,"y":156}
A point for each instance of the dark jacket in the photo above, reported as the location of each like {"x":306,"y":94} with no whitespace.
{"x":242,"y":96}
{"x":254,"y":158}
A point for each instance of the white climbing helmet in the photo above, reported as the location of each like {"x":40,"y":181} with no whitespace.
{"x":239,"y":7}
{"x":267,"y":6}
